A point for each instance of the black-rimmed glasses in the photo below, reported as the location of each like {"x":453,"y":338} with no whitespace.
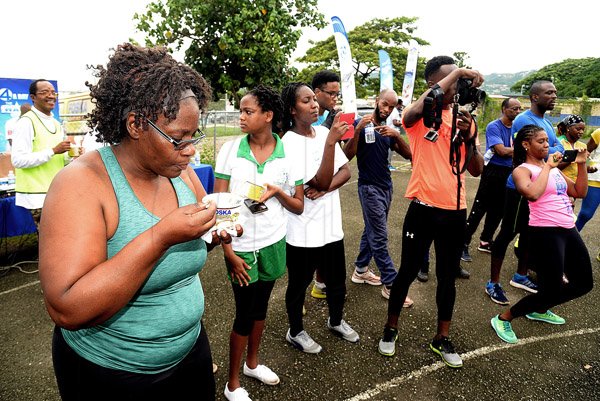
{"x":333,"y":94}
{"x":179,"y":145}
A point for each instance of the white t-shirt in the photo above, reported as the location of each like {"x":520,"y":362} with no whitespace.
{"x":237,"y":164}
{"x":321,"y":222}
{"x":394,"y":115}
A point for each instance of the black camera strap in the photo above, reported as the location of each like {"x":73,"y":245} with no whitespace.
{"x":456,"y":141}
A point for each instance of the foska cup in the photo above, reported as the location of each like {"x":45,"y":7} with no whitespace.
{"x":228,"y":210}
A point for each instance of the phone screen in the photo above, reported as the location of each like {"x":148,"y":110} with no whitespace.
{"x":569,"y":156}
{"x":255,"y":207}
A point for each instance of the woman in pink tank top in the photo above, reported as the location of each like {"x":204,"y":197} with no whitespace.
{"x":564,"y":271}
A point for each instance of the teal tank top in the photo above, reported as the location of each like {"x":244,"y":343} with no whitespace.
{"x":161,"y":323}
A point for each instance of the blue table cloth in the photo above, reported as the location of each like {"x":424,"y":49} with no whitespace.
{"x":206,"y":175}
{"x":14,"y":220}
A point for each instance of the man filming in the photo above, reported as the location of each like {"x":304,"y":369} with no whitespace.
{"x":435,"y":214}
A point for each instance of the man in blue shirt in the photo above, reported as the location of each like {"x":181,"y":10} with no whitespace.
{"x":490,"y":194}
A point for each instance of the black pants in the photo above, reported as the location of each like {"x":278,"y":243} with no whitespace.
{"x":489,"y":200}
{"x":422,"y":225}
{"x":556,"y":251}
{"x":251,"y":304}
{"x":301,"y":264}
{"x":514,"y":221}
{"x":81,"y":380}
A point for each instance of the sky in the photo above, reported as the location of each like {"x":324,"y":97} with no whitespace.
{"x":56,"y":39}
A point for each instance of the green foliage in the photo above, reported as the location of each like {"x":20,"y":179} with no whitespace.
{"x":390,"y":34}
{"x":572,"y":77}
{"x":234,"y":44}
{"x":461,"y":59}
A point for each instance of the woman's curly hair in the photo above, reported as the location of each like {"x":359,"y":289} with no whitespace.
{"x":146,"y":81}
{"x":525,"y":134}
{"x":269,"y":100}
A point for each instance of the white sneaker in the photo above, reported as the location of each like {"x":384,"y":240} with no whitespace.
{"x":385,"y":292}
{"x":344,"y":330}
{"x":239,"y":394}
{"x":367,"y":277}
{"x":303,"y":342}
{"x":262,"y":373}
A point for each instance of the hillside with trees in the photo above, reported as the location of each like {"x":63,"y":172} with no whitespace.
{"x":572,"y":78}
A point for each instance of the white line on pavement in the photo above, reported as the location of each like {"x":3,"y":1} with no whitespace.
{"x":20,"y":287}
{"x":415,"y":374}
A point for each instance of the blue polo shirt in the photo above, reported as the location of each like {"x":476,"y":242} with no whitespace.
{"x":497,"y":133}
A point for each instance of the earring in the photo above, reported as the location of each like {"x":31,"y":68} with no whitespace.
{"x":526,"y":149}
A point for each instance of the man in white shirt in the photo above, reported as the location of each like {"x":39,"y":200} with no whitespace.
{"x":37,"y":148}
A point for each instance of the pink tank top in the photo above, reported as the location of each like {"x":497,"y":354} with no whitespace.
{"x":553,"y":208}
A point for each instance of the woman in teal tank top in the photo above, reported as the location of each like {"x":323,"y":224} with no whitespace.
{"x":120,"y":271}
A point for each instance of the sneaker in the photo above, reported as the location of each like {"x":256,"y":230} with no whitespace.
{"x":385,"y":292}
{"x":546,"y":317}
{"x":504,"y":330}
{"x":524,"y":283}
{"x":387,"y":345}
{"x":318,"y":292}
{"x":303,"y":342}
{"x":367,"y":277}
{"x":344,"y":330}
{"x":239,"y":394}
{"x":496,"y":293}
{"x":422,"y":276}
{"x":463,"y":273}
{"x":465,"y":254}
{"x":485,"y":247}
{"x":444,"y":348}
{"x":262,"y":374}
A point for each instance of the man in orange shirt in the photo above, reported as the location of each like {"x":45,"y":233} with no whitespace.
{"x":435,"y":214}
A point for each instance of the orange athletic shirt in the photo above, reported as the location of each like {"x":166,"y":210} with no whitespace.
{"x":432,"y":180}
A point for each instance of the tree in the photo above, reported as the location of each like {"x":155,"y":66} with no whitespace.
{"x":572,"y":77}
{"x":234,"y":44}
{"x":391,"y":35}
{"x":461,"y":59}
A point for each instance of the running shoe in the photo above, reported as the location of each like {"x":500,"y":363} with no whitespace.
{"x":303,"y":342}
{"x":546,"y":317}
{"x":444,"y":348}
{"x":496,"y":293}
{"x":465,"y":254}
{"x":318,"y":292}
{"x":367,"y":277}
{"x":485,"y":247}
{"x":344,"y":330}
{"x":504,"y":330}
{"x":387,"y":344}
{"x":524,"y":283}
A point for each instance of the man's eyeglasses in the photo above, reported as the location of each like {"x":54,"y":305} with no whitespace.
{"x":179,"y":145}
{"x":46,"y":92}
{"x":516,"y":108}
{"x":333,"y":94}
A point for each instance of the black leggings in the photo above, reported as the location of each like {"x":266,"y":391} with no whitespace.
{"x":251,"y":304}
{"x":556,"y":251}
{"x":514,"y":221}
{"x":81,"y":380}
{"x":422,"y":225}
{"x":301,"y":263}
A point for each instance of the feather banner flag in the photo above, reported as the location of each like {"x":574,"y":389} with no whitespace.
{"x":411,"y":71}
{"x":346,"y":69}
{"x":386,"y":74}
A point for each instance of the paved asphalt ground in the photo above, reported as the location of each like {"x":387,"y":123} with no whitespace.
{"x":548,"y":363}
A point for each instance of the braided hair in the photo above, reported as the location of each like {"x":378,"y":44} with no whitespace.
{"x":525,"y":134}
{"x":288,"y":96}
{"x":269,"y":100}
{"x":146,"y":81}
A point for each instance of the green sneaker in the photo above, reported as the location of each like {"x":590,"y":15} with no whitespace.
{"x":504,"y":330}
{"x":547,"y":317}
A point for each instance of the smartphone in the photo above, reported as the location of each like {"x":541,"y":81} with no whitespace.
{"x":348,"y":118}
{"x":255,"y":207}
{"x":569,"y":156}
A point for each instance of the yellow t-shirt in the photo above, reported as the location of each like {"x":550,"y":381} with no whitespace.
{"x":571,"y":170}
{"x":594,"y":178}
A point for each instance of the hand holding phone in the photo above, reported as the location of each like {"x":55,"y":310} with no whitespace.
{"x":255,"y":206}
{"x":569,"y":156}
{"x":349,"y":119}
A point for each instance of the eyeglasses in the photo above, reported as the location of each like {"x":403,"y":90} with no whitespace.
{"x":47,"y":92}
{"x":516,"y":108}
{"x":179,"y":145}
{"x":333,"y":94}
